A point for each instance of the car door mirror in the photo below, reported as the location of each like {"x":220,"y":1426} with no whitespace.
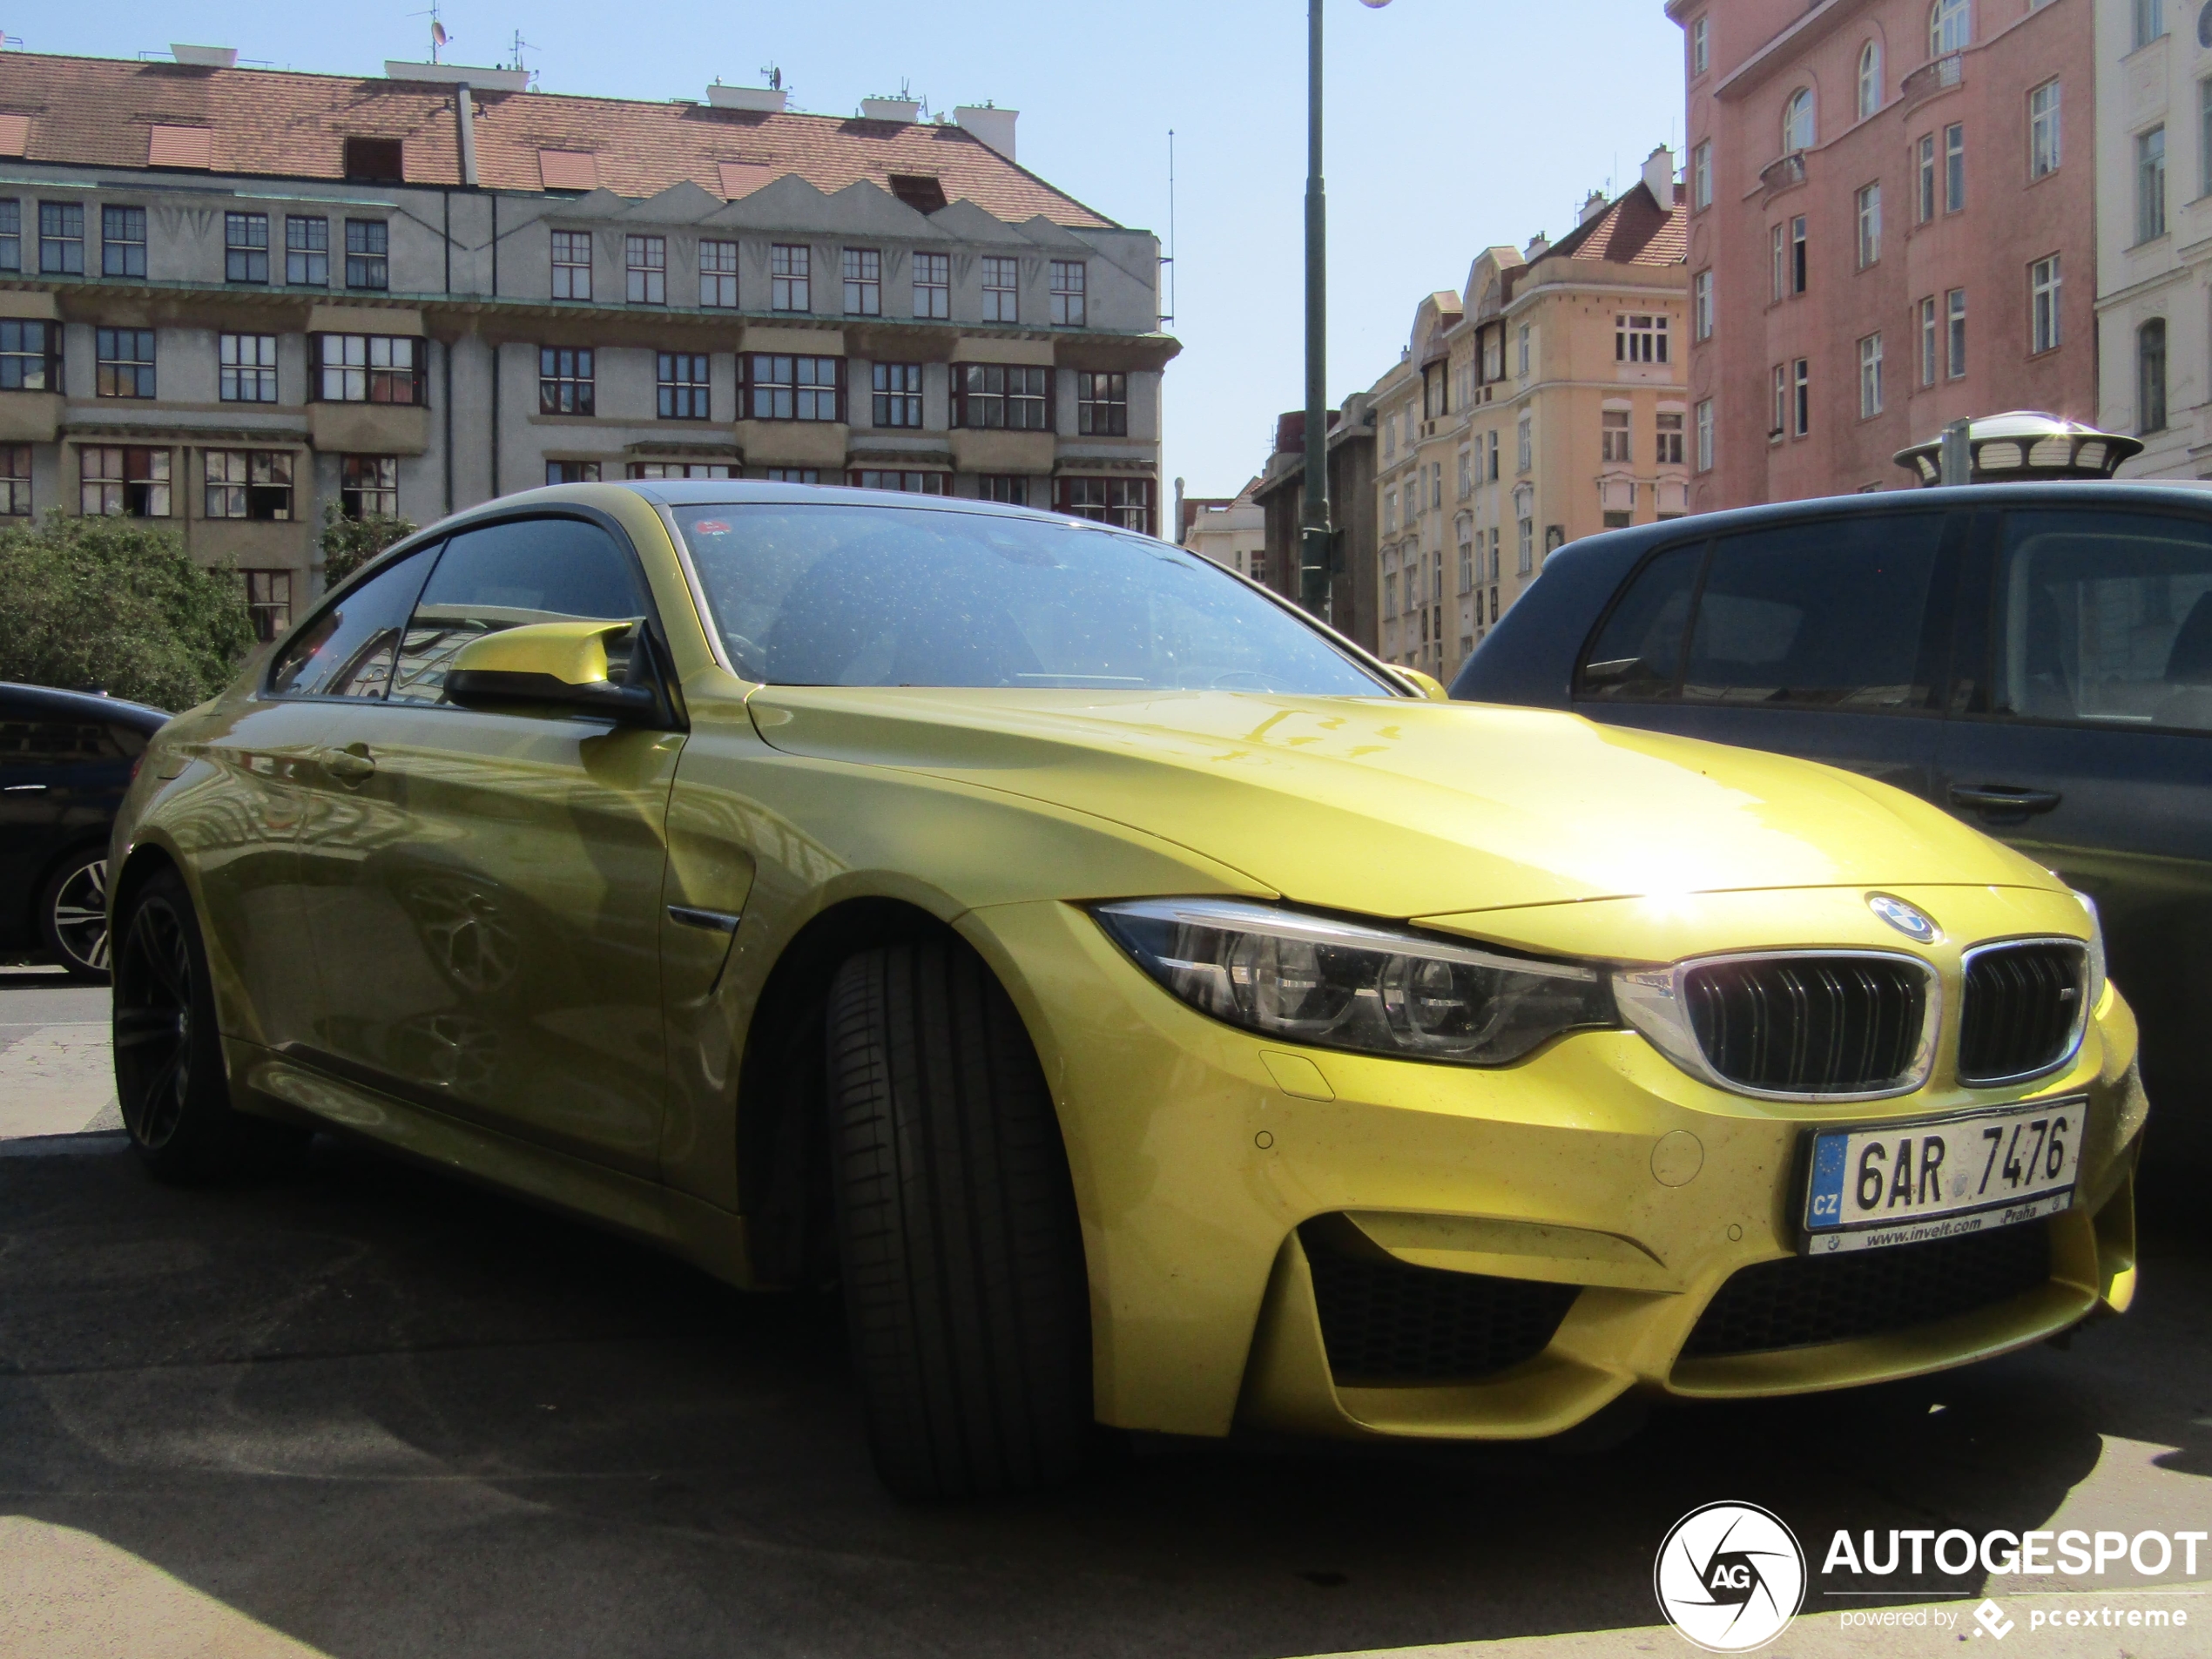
{"x":552,"y":665}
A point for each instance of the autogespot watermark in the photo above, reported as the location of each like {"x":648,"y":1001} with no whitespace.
{"x":1730,"y":1576}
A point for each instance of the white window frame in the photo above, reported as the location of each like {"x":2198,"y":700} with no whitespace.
{"x":1705,"y":436}
{"x":1701,"y":305}
{"x":1870,"y":78}
{"x":1870,"y":377}
{"x":2046,"y":137}
{"x":2046,"y":309}
{"x":1870,"y":224}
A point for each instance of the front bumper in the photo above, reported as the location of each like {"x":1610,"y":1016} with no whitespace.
{"x":1209,"y":1164}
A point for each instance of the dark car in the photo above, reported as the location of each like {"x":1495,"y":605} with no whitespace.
{"x":65,"y":759}
{"x":2035,"y":657}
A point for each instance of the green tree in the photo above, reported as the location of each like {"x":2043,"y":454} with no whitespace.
{"x":117,"y":604}
{"x":349,"y":544}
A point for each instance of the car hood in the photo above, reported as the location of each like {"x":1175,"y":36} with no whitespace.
{"x":1401,"y":808}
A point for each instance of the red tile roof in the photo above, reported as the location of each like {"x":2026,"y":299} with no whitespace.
{"x":101,"y":112}
{"x":1632,"y":230}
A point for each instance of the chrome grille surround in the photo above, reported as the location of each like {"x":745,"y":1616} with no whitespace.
{"x":1657,"y":1003}
{"x":1983,"y":957}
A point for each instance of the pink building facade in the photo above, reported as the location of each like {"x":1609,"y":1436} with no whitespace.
{"x":1892,"y":225}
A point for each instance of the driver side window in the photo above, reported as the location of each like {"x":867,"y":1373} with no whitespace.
{"x":346,"y":650}
{"x":506,"y":574}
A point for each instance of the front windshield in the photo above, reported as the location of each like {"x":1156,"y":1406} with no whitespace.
{"x":847,"y":595}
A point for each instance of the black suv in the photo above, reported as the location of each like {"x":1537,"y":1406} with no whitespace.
{"x":65,"y":759}
{"x":2035,"y":657}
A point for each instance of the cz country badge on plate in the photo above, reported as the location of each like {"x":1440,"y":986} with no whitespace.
{"x":1904,"y":1183}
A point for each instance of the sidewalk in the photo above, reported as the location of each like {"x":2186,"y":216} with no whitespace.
{"x":56,"y":1079}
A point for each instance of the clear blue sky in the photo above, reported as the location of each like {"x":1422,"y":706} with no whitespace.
{"x":1454,"y":125}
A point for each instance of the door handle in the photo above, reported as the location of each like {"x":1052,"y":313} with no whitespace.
{"x":23,"y":789}
{"x":349,"y":764}
{"x":2005,"y":797}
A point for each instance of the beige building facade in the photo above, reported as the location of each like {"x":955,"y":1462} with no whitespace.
{"x":1547,"y":403}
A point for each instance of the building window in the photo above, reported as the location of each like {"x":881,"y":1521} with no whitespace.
{"x":246,"y":247}
{"x":2043,"y":135}
{"x":1523,"y":446}
{"x":377,"y":161}
{"x":680,"y":469}
{"x":718,"y":276}
{"x":1390,"y":595}
{"x":1102,"y":404}
{"x":1701,"y":56}
{"x":1639,"y":339}
{"x":1701,"y":177}
{"x":912,"y":483}
{"x":1525,"y":543}
{"x":1701,"y":305}
{"x":1950,"y":27}
{"x":572,"y":265}
{"x":1797,"y":264}
{"x":1011,"y":395}
{"x":1870,"y":377}
{"x":1002,"y":297}
{"x":564,"y":381}
{"x":306,"y":252}
{"x":116,"y":482}
{"x":126,"y":360}
{"x":30,"y":356}
{"x":2149,"y":20}
{"x":1613,"y":434}
{"x":10,"y":235}
{"x":1781,"y":401}
{"x":1777,"y":252}
{"x":61,"y":239}
{"x":1796,"y":121}
{"x":1954,"y":168}
{"x":368,"y":368}
{"x":790,"y":282}
{"x":268,"y":597}
{"x":644,"y":270}
{"x":1870,"y":78}
{"x":932,"y":285}
{"x":122,"y":240}
{"x":572,"y":472}
{"x":1124,"y":502}
{"x":2150,"y":185}
{"x":863,"y":282}
{"x":1954,"y":307}
{"x":794,"y":474}
{"x":1068,"y":298}
{"x":2204,"y":146}
{"x":898,"y":394}
{"x":2044,"y":326}
{"x":1801,"y":404}
{"x":1522,"y":351}
{"x":1870,"y":225}
{"x":246,"y":368}
{"x":14,"y":480}
{"x":1669,"y":436}
{"x":247,"y":483}
{"x":2150,"y":376}
{"x":780,"y":387}
{"x":1003,"y":486}
{"x":1924,"y":169}
{"x":682,"y":385}
{"x":369,"y":245}
{"x":1930,"y":347}
{"x":368,"y":486}
{"x":1467,"y":558}
{"x":1705,"y":436}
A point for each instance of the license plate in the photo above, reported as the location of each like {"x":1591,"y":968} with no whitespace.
{"x":1906,"y":1183}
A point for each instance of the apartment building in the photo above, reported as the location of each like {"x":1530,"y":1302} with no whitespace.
{"x":1545,"y":405}
{"x":1231,"y":531}
{"x":2154,"y":179}
{"x":1280,"y":496}
{"x":1892,"y":225}
{"x":229,"y":296}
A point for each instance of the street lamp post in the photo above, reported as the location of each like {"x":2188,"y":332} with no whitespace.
{"x":1316,"y":533}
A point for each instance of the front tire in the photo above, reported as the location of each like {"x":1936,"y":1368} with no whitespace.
{"x":961,"y":1257}
{"x":72,"y":915}
{"x":169,"y":1074}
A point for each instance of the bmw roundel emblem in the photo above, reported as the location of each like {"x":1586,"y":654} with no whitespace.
{"x":1911,"y":922}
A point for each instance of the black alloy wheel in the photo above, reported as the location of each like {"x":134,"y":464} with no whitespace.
{"x":169,"y":1074}
{"x":72,"y":915}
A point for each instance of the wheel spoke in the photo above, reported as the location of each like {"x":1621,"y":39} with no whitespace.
{"x":164,"y":1097}
{"x":135,"y":1028}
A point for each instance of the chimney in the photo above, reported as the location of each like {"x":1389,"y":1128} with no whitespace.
{"x":767,"y":99}
{"x":464,"y":117}
{"x":992,"y":125}
{"x":902,"y":110}
{"x":1593,"y":205}
{"x":1659,"y":175}
{"x":205,"y":56}
{"x":1539,"y":244}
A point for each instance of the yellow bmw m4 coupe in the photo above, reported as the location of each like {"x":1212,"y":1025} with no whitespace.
{"x":1147,"y":1008}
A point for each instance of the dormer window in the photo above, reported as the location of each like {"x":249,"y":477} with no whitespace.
{"x":376,"y":161}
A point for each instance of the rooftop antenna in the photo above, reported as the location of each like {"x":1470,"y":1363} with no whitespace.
{"x":438,"y":36}
{"x":775,"y":77}
{"x":1169,"y":260}
{"x":518,"y":48}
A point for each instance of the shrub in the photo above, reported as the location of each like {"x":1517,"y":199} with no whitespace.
{"x":349,"y":544}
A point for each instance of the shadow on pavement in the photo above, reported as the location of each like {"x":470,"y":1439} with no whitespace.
{"x":388,"y":1414}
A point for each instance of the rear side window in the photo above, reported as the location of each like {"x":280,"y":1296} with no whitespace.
{"x":503,"y":576}
{"x":1827,"y":614}
{"x":60,"y":742}
{"x":346,"y":648}
{"x":2104,"y":619}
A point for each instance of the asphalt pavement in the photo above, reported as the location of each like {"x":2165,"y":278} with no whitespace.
{"x":366,"y":1409}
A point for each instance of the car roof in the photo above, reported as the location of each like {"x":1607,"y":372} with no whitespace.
{"x":94,"y":705}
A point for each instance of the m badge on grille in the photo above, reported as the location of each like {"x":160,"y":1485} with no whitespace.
{"x":1912,"y":923}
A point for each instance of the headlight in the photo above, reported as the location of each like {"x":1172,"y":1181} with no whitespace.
{"x":1338,"y":985}
{"x":2096,"y":950}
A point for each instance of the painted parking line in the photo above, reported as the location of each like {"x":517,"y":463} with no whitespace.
{"x":58,"y":1079}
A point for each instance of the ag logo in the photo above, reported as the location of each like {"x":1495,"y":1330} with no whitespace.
{"x":1730,"y":1577}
